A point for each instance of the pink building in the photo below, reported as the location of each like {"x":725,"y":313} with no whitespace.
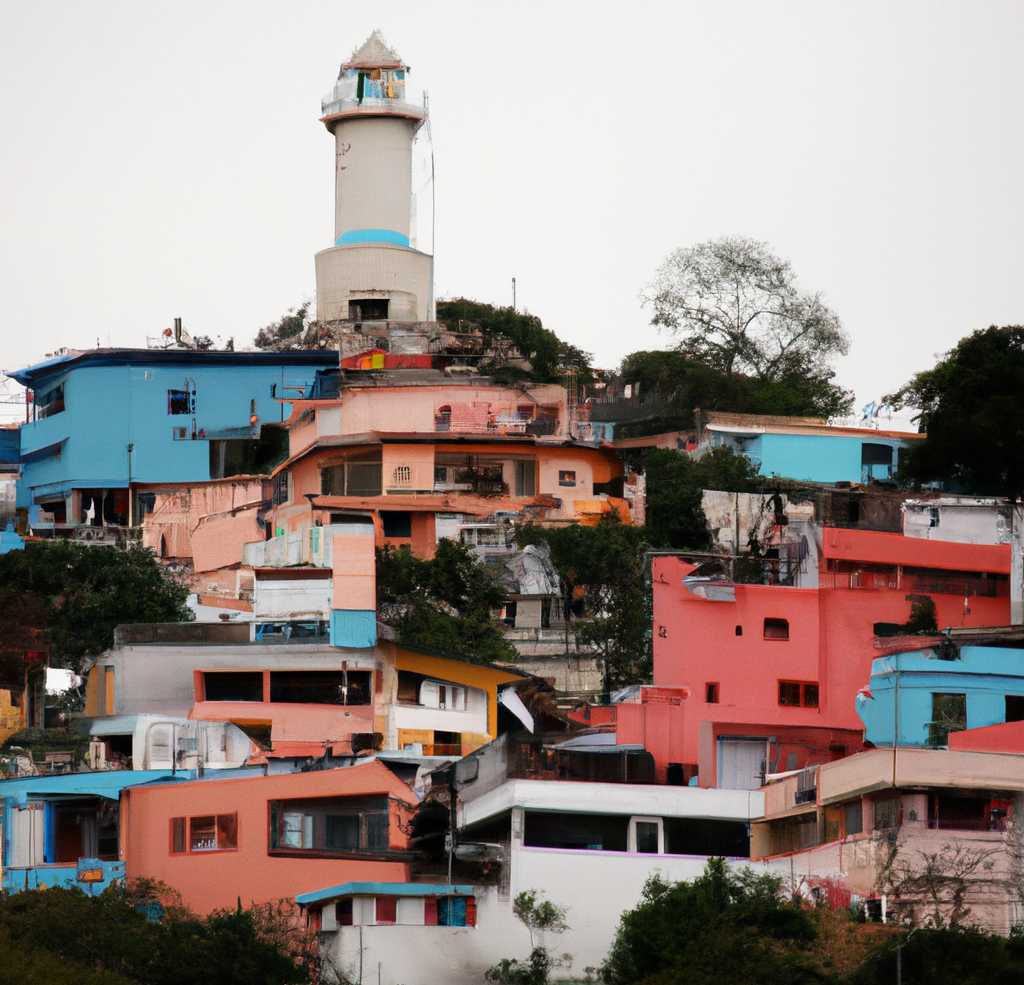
{"x":265,"y":838}
{"x":769,"y":673}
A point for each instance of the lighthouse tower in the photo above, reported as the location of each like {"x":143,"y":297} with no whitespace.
{"x":371,"y":273}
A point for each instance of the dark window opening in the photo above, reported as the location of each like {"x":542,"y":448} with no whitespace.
{"x":711,"y":694}
{"x":526,"y":478}
{"x":776,"y":629}
{"x":280,"y":489}
{"x":798,"y":694}
{"x":887,"y":813}
{"x":387,"y":910}
{"x":874,"y":454}
{"x":949,"y":714}
{"x":352,"y":478}
{"x":612,"y":488}
{"x":963,"y":814}
{"x":396,"y":523}
{"x":322,"y":687}
{"x":368,"y":309}
{"x":443,"y":419}
{"x":330,"y":824}
{"x":233,"y":457}
{"x":596,"y":832}
{"x":49,"y":403}
{"x":647,"y":837}
{"x":853,"y":511}
{"x":181,"y":402}
{"x":1015,"y":708}
{"x":83,"y":829}
{"x":700,"y":836}
{"x":343,"y":912}
{"x":566,"y":477}
{"x":739,"y":630}
{"x":233,"y":685}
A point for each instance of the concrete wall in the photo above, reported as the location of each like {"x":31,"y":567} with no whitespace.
{"x":375,"y":270}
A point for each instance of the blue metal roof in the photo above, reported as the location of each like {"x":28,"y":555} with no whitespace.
{"x":385,"y":889}
{"x":31,"y":376}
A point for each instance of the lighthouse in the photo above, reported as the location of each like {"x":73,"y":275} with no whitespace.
{"x":372,"y":272}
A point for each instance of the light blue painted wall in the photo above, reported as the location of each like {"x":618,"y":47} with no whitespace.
{"x":809,"y":457}
{"x":986,"y":675}
{"x":353,"y":628}
{"x":110,"y":407}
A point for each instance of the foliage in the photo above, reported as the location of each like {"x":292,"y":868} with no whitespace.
{"x":739,"y":310}
{"x":288,"y":326}
{"x":602,"y":572}
{"x":539,"y":916}
{"x":443,"y":604}
{"x":971,"y":409}
{"x":725,"y":926}
{"x":674,"y":487}
{"x":686,"y":383}
{"x":548,"y":356}
{"x":106,"y":940}
{"x":80,"y":593}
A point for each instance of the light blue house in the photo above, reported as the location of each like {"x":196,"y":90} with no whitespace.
{"x":106,"y":421}
{"x":810,"y":450}
{"x":921,"y":696}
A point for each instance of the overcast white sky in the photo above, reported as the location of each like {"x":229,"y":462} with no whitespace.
{"x":163,"y":159}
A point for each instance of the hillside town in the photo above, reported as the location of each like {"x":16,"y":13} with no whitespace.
{"x":825,"y":683}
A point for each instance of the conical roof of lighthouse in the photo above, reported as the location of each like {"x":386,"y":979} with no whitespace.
{"x":374,"y":53}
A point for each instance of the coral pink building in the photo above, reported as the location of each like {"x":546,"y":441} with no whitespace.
{"x":763,"y":678}
{"x":262,"y":838}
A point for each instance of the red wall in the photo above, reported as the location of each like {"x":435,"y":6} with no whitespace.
{"x":215,"y":879}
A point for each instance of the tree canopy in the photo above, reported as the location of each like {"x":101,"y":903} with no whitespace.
{"x":970,"y":406}
{"x":548,"y":356}
{"x":80,"y":593}
{"x":443,"y":604}
{"x":736,"y":308}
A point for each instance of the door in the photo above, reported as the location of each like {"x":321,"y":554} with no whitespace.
{"x":741,"y":763}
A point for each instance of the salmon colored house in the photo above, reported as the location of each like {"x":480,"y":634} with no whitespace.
{"x":265,"y":838}
{"x":757,"y":679}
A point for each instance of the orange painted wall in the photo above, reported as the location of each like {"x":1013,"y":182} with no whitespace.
{"x":210,"y":880}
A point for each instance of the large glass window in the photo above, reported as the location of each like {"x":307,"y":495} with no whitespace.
{"x":330,"y":824}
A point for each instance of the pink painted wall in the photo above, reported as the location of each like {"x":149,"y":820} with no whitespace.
{"x":831,"y":642}
{"x":214,"y":879}
{"x":1007,"y":737}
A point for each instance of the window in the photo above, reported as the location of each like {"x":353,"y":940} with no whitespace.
{"x":854,"y":818}
{"x":368,"y":309}
{"x":798,"y":694}
{"x":711,"y":694}
{"x":244,"y":685}
{"x":49,"y":403}
{"x":776,"y":629}
{"x":443,"y":419}
{"x":181,"y":402}
{"x":330,"y":824}
{"x":281,"y":488}
{"x":206,"y":833}
{"x":566,"y":477}
{"x":887,"y":813}
{"x":645,"y":835}
{"x":402,"y":475}
{"x":456,"y":911}
{"x":396,"y":523}
{"x":739,"y":630}
{"x":525,"y":478}
{"x":321,"y":687}
{"x":1015,"y":708}
{"x":387,"y":910}
{"x":352,"y":478}
{"x":434,"y":694}
{"x":949,"y":714}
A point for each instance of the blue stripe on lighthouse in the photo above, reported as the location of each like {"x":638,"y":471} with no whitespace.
{"x":372,"y":236}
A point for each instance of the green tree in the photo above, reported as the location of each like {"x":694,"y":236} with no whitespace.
{"x":736,"y":308}
{"x":674,"y":486}
{"x":970,"y":406}
{"x":604,"y":585}
{"x":443,"y":604}
{"x":548,"y":356}
{"x":83,"y":592}
{"x":286,"y":329}
{"x":725,"y":926}
{"x":539,"y":916}
{"x":685,"y":384}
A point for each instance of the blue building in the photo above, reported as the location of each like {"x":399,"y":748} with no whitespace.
{"x":107,"y":421}
{"x":921,"y":696}
{"x":809,"y":450}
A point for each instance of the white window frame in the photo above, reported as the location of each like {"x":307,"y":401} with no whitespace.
{"x":643,"y":819}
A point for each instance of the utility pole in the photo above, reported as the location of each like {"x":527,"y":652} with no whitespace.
{"x":513,"y":294}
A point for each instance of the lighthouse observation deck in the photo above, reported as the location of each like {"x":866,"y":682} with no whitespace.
{"x":373,"y":92}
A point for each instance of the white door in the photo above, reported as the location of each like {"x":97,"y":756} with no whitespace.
{"x":741,"y":763}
